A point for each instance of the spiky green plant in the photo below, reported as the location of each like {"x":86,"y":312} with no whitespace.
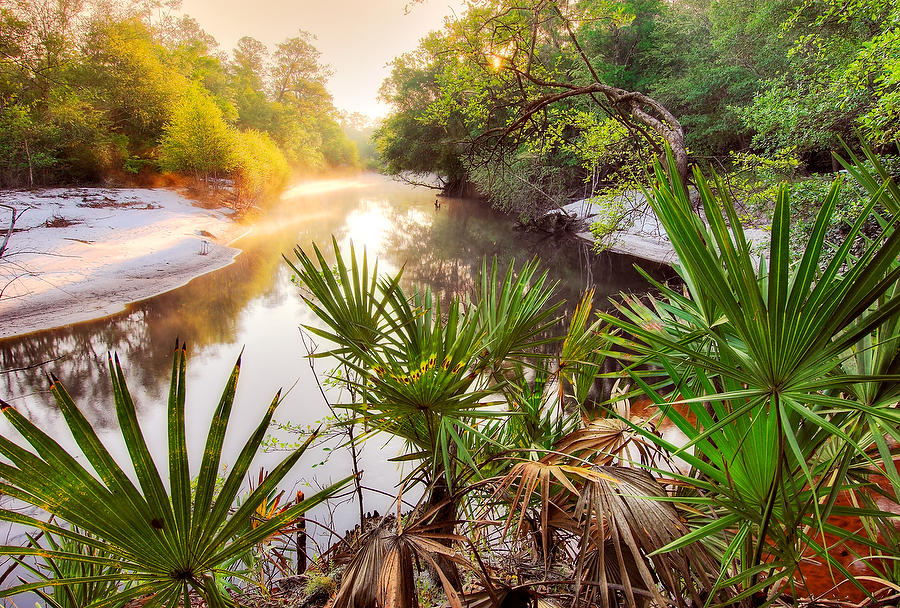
{"x":77,"y":589}
{"x":755,"y":349}
{"x":164,"y":542}
{"x":421,"y":370}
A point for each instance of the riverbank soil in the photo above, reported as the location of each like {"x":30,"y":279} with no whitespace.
{"x":76,"y":254}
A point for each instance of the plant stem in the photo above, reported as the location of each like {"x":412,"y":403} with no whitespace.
{"x":773,"y":489}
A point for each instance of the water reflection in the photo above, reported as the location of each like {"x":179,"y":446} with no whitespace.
{"x":254,"y":304}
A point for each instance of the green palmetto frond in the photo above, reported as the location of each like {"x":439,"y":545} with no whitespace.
{"x":755,"y":350}
{"x":514,"y":310}
{"x":163,"y":541}
{"x":350,"y":300}
{"x":97,"y":580}
{"x":538,"y":418}
{"x":583,"y":349}
{"x":421,"y":371}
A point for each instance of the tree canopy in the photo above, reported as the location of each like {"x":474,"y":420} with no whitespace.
{"x":509,"y":90}
{"x":98,"y":88}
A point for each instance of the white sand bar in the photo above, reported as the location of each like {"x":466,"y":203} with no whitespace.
{"x":84,"y":253}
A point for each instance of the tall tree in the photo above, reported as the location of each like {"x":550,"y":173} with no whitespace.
{"x":505,"y":68}
{"x":297,"y":74}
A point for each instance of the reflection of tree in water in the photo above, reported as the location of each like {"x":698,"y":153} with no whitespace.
{"x":447,"y":255}
{"x":205,"y":313}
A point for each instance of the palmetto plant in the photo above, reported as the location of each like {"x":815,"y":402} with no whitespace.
{"x":71,"y":594}
{"x":422,"y":371}
{"x":427,"y":373}
{"x":150,"y":539}
{"x":758,"y":351}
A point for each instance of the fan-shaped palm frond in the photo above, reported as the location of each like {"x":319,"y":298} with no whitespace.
{"x":514,"y":311}
{"x":625,"y":518}
{"x":583,"y":350}
{"x":351,"y":301}
{"x":161,"y":541}
{"x":382,"y":573}
{"x":755,"y":352}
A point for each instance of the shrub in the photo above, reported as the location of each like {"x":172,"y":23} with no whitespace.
{"x":259,"y":165}
{"x":196,"y":139}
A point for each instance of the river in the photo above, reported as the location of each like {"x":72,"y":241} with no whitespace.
{"x":253,"y":304}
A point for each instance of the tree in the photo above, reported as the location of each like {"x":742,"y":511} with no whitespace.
{"x":500,"y":79}
{"x":706,"y":60}
{"x":20,"y":152}
{"x":298,"y":77}
{"x":196,"y":139}
{"x":842,"y":75}
{"x":131,"y":83}
{"x":248,"y":73}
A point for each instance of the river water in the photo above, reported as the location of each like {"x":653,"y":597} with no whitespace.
{"x":254,"y":305}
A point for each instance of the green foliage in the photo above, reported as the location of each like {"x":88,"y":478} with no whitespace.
{"x":134,"y":87}
{"x":842,"y":76}
{"x":98,"y":91}
{"x":611,"y":217}
{"x":775,"y":74}
{"x":197,"y":139}
{"x":757,"y":353}
{"x":260,"y":167}
{"x":358,"y":129}
{"x":422,"y":371}
{"x":320,"y":586}
{"x":82,"y":582}
{"x":526,"y":185}
{"x":149,"y":538}
{"x":754,"y":180}
{"x":24,"y":147}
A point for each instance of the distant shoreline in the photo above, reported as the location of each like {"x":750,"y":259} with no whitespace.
{"x":81,"y":254}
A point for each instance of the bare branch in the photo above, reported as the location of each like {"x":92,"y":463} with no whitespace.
{"x":14,"y":217}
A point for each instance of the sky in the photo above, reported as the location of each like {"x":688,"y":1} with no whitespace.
{"x":357,"y":38}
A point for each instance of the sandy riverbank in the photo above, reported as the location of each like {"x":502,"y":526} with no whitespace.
{"x":84,"y":253}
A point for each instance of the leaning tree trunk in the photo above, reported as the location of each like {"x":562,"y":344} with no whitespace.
{"x":639,"y":113}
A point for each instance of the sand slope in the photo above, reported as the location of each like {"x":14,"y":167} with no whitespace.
{"x":84,"y":253}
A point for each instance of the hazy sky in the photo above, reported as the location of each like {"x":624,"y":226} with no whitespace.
{"x":356,"y":37}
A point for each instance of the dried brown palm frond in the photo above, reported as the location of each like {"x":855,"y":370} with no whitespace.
{"x":620,"y":515}
{"x":605,"y":440}
{"x":625,"y":517}
{"x":382,"y":573}
{"x":562,"y":471}
{"x":548,"y":478}
{"x":508,"y":596}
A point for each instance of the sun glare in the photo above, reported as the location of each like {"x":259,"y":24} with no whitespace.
{"x":368,"y":226}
